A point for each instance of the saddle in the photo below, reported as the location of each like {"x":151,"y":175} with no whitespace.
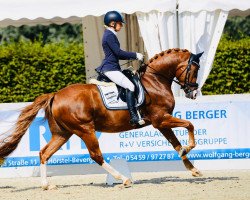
{"x":114,"y":96}
{"x":122,"y":91}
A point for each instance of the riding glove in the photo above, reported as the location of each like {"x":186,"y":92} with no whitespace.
{"x":139,"y":56}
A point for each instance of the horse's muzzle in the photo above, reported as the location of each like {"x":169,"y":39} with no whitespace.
{"x":192,"y":94}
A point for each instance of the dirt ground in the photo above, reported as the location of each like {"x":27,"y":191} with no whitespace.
{"x":214,"y":185}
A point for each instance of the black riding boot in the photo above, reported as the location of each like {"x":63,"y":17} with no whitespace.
{"x":132,"y":109}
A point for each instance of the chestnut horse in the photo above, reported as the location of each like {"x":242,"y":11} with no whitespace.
{"x":79,"y":109}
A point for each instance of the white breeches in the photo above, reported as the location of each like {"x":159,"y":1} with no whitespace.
{"x":120,"y":79}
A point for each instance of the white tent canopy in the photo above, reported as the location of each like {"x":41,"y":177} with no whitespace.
{"x":18,"y":12}
{"x":196,"y":25}
{"x":212,"y":5}
{"x":48,"y":9}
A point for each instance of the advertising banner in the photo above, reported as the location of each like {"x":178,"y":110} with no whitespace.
{"x":222,"y":131}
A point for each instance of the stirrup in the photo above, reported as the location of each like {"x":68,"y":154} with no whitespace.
{"x":135,"y":122}
{"x":141,"y":120}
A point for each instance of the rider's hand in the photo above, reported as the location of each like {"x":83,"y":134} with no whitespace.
{"x":139,"y":56}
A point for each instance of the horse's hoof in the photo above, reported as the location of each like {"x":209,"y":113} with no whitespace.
{"x":49,"y":187}
{"x":1,"y":161}
{"x":196,"y":173}
{"x":52,"y":187}
{"x":45,"y":187}
{"x":128,"y":183}
{"x":183,"y":151}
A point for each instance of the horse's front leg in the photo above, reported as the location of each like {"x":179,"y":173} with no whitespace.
{"x":169,"y":121}
{"x":170,"y":136}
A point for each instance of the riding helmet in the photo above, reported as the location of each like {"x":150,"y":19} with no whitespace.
{"x":113,"y":16}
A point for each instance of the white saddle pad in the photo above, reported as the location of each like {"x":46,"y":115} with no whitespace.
{"x":110,"y":97}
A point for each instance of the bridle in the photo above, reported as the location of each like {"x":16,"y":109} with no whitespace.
{"x":187,"y":85}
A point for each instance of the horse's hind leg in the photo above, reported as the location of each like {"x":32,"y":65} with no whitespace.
{"x":92,"y":144}
{"x":170,"y":136}
{"x":59,"y":137}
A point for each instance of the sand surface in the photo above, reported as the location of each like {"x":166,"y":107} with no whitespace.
{"x":214,"y":185}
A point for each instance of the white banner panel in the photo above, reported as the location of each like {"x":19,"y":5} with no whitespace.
{"x":221,"y":131}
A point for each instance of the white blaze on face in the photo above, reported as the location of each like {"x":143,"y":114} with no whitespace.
{"x":192,"y":94}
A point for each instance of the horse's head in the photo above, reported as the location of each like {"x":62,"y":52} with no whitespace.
{"x":176,"y":63}
{"x":187,"y":73}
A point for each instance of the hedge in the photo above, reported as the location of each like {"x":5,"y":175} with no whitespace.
{"x":29,"y":69}
{"x":230,"y":72}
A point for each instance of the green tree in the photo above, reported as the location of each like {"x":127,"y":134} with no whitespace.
{"x":53,"y":33}
{"x":237,"y":28}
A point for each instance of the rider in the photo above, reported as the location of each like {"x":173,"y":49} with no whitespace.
{"x":110,"y":67}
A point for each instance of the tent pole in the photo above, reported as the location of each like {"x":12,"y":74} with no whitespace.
{"x":177,"y":24}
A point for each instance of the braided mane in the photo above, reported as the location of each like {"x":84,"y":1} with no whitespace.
{"x":143,"y":67}
{"x":169,"y":51}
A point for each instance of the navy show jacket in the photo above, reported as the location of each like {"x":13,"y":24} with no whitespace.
{"x":113,"y":53}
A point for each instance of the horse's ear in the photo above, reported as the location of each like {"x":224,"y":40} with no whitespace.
{"x":199,"y":54}
{"x":195,"y":57}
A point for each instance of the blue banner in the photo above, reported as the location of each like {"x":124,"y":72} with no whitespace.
{"x":131,"y":157}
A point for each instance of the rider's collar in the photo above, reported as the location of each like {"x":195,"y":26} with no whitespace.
{"x":112,"y":30}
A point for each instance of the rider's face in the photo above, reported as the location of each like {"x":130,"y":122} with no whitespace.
{"x":118,"y":26}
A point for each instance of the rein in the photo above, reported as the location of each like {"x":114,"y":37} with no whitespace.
{"x":120,"y":65}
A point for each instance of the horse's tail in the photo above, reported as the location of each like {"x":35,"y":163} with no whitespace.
{"x":9,"y":143}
